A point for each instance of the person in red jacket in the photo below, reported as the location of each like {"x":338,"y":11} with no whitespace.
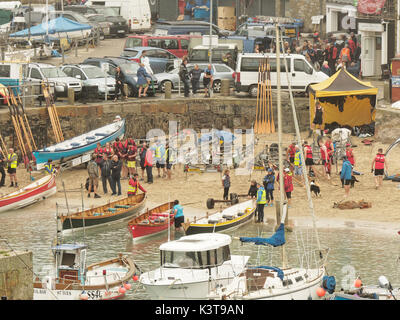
{"x":325,"y":159}
{"x":379,"y":164}
{"x":134,"y":186}
{"x":148,"y":164}
{"x":291,"y":152}
{"x":345,"y":56}
{"x":350,"y":154}
{"x":287,"y":184}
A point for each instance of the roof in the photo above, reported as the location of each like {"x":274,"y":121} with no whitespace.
{"x":69,"y":246}
{"x":342,"y":83}
{"x":198,"y":242}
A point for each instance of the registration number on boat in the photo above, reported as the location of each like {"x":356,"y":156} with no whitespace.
{"x":95,"y":294}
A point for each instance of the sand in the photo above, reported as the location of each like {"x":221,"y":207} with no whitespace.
{"x":193,"y":189}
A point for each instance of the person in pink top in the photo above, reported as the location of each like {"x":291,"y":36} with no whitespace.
{"x":148,"y":164}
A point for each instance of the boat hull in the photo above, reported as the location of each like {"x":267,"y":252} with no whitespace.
{"x":42,"y":156}
{"x":144,"y":231}
{"x":101,"y":294}
{"x":224,"y":226}
{"x":30,"y":196}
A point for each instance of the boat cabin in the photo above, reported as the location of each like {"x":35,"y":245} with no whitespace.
{"x":198,"y":251}
{"x":70,"y":262}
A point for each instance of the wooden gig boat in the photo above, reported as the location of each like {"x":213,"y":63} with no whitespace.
{"x":152,"y":222}
{"x":37,"y":191}
{"x":229,"y":218}
{"x":110,"y":213}
{"x":74,"y":280}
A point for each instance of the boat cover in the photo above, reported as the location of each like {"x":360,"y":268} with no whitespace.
{"x":277,"y":239}
{"x":279,"y":271}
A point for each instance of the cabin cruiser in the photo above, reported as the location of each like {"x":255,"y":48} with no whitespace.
{"x":192,"y":266}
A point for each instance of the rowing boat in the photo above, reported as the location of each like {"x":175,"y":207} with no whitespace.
{"x":37,"y":191}
{"x":151,"y":222}
{"x":81,"y":144}
{"x":227,"y":219}
{"x":110,"y":213}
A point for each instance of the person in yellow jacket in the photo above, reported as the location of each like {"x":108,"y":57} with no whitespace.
{"x":12,"y":164}
{"x":261,"y":202}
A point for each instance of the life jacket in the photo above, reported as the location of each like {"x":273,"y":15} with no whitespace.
{"x":328,"y":148}
{"x":292,"y":150}
{"x":380,"y":161}
{"x":14,"y":164}
{"x":323,"y":155}
{"x":263,"y":198}
{"x":128,"y":141}
{"x":99,"y":152}
{"x":349,"y":155}
{"x":297,"y":159}
{"x":107,"y":151}
{"x":287,"y":180}
{"x":133,"y":186}
{"x":118,"y":145}
{"x":49,"y":168}
{"x":148,"y":160}
{"x":308,"y":152}
{"x":130,"y":153}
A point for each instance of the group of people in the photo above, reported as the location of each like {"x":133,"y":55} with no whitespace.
{"x":193,"y":76}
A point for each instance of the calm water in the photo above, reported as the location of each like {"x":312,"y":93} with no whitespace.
{"x":352,"y":252}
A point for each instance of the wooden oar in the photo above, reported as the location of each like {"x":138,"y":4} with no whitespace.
{"x":56,"y":118}
{"x":27,"y":124}
{"x":256,"y":124}
{"x":271,"y":110}
{"x":17,"y":132}
{"x":266,"y":124}
{"x":21,"y":121}
{"x":4,"y":146}
{"x":51,"y":116}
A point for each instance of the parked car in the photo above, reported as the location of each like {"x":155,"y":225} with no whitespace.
{"x":302,"y":74}
{"x":83,"y":10}
{"x":119,"y":26}
{"x":39,"y":72}
{"x":188,"y":27}
{"x":160,"y":60}
{"x":200,"y":53}
{"x":221,"y":71}
{"x":101,"y":20}
{"x":177,"y":45}
{"x":128,"y":68}
{"x":91,"y":76}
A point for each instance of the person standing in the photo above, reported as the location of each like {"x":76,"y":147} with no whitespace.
{"x":350,"y":154}
{"x":179,"y":218}
{"x":116,"y":166}
{"x":208,"y":80}
{"x":298,"y":163}
{"x":93,"y":172}
{"x":12,"y":164}
{"x":195,"y":74}
{"x":252,"y":194}
{"x":261,"y":202}
{"x":291,"y":152}
{"x":226,"y":183}
{"x":143,"y":80}
{"x":309,"y":157}
{"x":325,"y":160}
{"x":378,"y":167}
{"x":146,"y":62}
{"x":269,"y":186}
{"x":131,"y":158}
{"x":345,"y":175}
{"x":142,"y":155}
{"x":119,"y":84}
{"x":159,"y":157}
{"x":184,"y":76}
{"x":345,"y":56}
{"x":3,"y":173}
{"x":168,"y":160}
{"x":105,"y":165}
{"x":288,"y":185}
{"x":134,"y":185}
{"x":318,"y":121}
{"x":148,"y":164}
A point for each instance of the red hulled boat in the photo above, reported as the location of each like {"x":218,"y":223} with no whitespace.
{"x":152,"y":222}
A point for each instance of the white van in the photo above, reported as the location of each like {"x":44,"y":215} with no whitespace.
{"x":136,"y":12}
{"x":301,"y":73}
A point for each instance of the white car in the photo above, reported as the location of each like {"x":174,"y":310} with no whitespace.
{"x":39,"y":72}
{"x":301,"y":73}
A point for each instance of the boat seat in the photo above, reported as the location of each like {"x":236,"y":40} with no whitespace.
{"x":122,"y":206}
{"x":90,"y":138}
{"x":213,"y":221}
{"x":228,"y":216}
{"x":100,"y":134}
{"x":75,"y":144}
{"x":112,"y":210}
{"x":240,"y":214}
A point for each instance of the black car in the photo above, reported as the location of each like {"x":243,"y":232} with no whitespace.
{"x":129,"y":70}
{"x":188,"y":27}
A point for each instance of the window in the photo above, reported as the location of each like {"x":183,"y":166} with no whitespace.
{"x":181,"y":259}
{"x":68,"y":71}
{"x":154,"y":43}
{"x":77,"y":72}
{"x":223,"y":254}
{"x":5,"y":71}
{"x":152,"y":53}
{"x":252,"y":64}
{"x":53,"y":72}
{"x":298,"y":279}
{"x":169,"y":44}
{"x":299,"y":65}
{"x":220,"y":68}
{"x":184,"y":44}
{"x":35,"y":74}
{"x":133,"y":42}
{"x":212,"y":257}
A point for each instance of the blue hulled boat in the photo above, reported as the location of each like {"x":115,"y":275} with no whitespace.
{"x":81,"y":144}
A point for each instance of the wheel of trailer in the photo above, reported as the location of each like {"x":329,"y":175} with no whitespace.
{"x":217,"y":86}
{"x":253,"y":90}
{"x":210,"y":203}
{"x":233,"y":196}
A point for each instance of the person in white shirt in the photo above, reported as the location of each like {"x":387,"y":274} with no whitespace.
{"x":145,"y":60}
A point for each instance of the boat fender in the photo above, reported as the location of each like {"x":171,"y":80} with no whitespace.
{"x":210,"y":203}
{"x":212,"y":221}
{"x":329,"y":283}
{"x":84,"y":296}
{"x":121,"y":290}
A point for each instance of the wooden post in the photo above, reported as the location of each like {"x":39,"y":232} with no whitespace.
{"x":87,"y":43}
{"x":168,"y":89}
{"x":76,"y":48}
{"x":71,"y":96}
{"x":225,"y":87}
{"x":278,"y":217}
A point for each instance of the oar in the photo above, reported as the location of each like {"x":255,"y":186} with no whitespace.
{"x":51,"y":116}
{"x":4,"y":146}
{"x":256,"y":124}
{"x":265,"y":125}
{"x":17,"y":132}
{"x":21,"y":121}
{"x":270,"y":100}
{"x":268,"y":97}
{"x":57,"y":120}
{"x":27,"y":124}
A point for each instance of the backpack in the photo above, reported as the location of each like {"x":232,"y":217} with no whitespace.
{"x":92,"y":168}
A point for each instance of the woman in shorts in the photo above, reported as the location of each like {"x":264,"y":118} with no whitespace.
{"x":319,"y":117}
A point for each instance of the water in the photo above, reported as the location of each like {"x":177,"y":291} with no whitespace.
{"x":352,"y":251}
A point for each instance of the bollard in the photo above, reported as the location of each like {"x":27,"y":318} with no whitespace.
{"x":168,"y":89}
{"x":76,"y":48}
{"x":386,"y":92}
{"x":71,"y":96}
{"x":225,"y":87}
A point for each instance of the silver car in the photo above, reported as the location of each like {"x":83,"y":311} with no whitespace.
{"x":220,"y":70}
{"x":91,"y":76}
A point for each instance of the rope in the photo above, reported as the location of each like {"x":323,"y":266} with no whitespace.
{"x":28,"y":267}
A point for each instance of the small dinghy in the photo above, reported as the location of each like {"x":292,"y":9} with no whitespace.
{"x":37,"y":191}
{"x":74,"y":280}
{"x":152,"y":222}
{"x":81,"y":144}
{"x":110,"y":213}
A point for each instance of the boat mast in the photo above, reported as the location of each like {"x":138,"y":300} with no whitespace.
{"x":83,"y":214}
{"x":281,"y":186}
{"x":303,"y":164}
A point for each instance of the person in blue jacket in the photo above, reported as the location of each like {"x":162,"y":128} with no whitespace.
{"x":345,"y":175}
{"x":143,"y":80}
{"x":179,"y":218}
{"x":269,"y":183}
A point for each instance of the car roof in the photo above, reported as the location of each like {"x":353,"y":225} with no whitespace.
{"x":150,"y":36}
{"x":147,"y":48}
{"x":116,"y":60}
{"x":42,"y":65}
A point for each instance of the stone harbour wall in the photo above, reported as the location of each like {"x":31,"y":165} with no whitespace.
{"x":144,"y":115}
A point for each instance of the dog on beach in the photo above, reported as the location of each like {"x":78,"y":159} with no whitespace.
{"x":315,"y":188}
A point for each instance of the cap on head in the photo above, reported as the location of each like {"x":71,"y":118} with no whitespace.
{"x":176,"y":202}
{"x":287,"y":170}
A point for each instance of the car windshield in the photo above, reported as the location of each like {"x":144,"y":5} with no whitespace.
{"x":81,"y":18}
{"x":94,"y":73}
{"x":174,"y":71}
{"x":53,"y":72}
{"x":129,"y":68}
{"x":108,"y":12}
{"x":97,"y":18}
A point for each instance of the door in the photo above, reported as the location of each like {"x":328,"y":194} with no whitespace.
{"x":368,"y":56}
{"x":301,"y":75}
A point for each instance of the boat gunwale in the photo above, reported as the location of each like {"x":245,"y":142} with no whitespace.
{"x":148,"y":212}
